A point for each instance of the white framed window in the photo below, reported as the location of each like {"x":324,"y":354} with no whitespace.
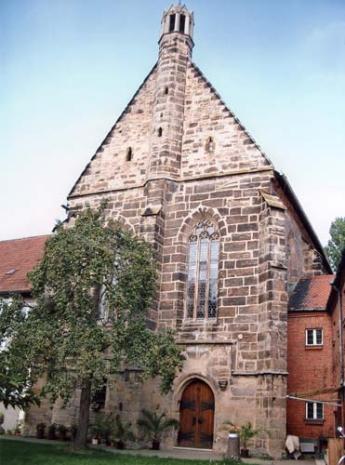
{"x":314,"y":411}
{"x":314,"y":337}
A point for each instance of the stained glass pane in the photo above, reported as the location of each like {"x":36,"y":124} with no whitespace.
{"x":203,"y":259}
{"x":191,"y":278}
{"x":190,"y":299}
{"x":213,"y":280}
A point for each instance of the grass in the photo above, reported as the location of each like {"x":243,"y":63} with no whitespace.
{"x":14,"y":452}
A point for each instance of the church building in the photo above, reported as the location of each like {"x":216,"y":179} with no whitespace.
{"x":179,"y":169}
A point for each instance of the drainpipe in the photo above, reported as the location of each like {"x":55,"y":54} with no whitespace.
{"x":341,"y":352}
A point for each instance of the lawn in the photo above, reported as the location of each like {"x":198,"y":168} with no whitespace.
{"x":25,"y":453}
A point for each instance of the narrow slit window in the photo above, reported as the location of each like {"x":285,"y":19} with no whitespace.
{"x":210,"y":145}
{"x":171,"y":23}
{"x":202,"y":277}
{"x":166,"y":90}
{"x":182,"y":23}
{"x":160,"y":132}
{"x":129,"y":154}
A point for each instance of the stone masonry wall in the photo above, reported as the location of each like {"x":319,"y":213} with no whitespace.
{"x":191,"y":160}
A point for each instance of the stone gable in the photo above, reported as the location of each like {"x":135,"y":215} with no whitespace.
{"x":109,"y":168}
{"x":193,"y":162}
{"x":214,"y":141}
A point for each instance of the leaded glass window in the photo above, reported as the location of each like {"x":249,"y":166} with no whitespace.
{"x":202,"y":278}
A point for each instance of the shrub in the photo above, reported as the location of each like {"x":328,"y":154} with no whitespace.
{"x":154,"y":426}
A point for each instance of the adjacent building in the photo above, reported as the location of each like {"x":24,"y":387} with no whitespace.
{"x":17,"y":258}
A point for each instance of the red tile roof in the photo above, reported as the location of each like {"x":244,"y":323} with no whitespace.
{"x":17,"y":258}
{"x":311,"y":293}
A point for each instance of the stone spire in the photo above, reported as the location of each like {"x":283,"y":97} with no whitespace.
{"x":175,"y":50}
{"x":177,"y":21}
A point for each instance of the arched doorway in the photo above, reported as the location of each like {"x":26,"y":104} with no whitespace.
{"x":196,"y":416}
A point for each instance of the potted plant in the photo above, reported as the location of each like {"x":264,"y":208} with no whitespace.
{"x":121,"y":433}
{"x":246,"y":432}
{"x":62,"y":431}
{"x":17,"y":430}
{"x":52,"y":431}
{"x":154,"y":426}
{"x":102,"y":428}
{"x":2,"y":419}
{"x":40,"y":430}
{"x":95,"y":434}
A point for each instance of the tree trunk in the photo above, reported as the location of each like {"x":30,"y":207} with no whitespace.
{"x":84,"y":413}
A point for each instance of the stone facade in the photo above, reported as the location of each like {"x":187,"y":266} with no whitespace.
{"x":178,"y":156}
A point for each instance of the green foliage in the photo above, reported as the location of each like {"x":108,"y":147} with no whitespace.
{"x":15,"y":384}
{"x":245,"y":431}
{"x":102,"y":426}
{"x":52,"y":431}
{"x":122,"y":431}
{"x":336,"y":244}
{"x":62,"y":431}
{"x":153,"y":425}
{"x":40,"y":430}
{"x":88,"y":267}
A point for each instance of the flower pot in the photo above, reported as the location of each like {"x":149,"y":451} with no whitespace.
{"x":156,"y":444}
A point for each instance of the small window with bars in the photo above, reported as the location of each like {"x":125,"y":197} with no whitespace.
{"x":314,"y":411}
{"x":202,"y":278}
{"x":313,"y":337}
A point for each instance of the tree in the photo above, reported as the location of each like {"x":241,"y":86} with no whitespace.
{"x":336,"y":244}
{"x":15,"y":387}
{"x":93,"y":287}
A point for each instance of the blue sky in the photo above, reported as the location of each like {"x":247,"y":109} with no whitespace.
{"x":68,"y":68}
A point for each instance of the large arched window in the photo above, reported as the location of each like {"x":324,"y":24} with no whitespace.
{"x":202,"y":282}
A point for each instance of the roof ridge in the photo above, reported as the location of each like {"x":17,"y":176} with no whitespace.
{"x":25,"y":238}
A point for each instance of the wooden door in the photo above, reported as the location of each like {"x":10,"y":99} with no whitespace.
{"x":196,"y":416}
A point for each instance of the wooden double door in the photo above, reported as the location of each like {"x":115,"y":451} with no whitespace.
{"x":196,"y":416}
